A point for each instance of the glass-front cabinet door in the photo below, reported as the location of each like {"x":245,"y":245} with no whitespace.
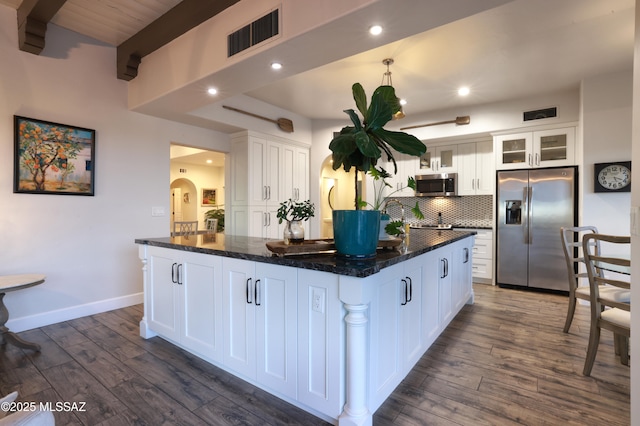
{"x":543,"y":148}
{"x":554,"y":147}
{"x":439,"y":159}
{"x":514,"y":151}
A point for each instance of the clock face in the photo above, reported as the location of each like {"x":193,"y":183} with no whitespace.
{"x":613,"y":177}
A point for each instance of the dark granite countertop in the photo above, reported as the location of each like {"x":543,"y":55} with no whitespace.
{"x":255,"y":249}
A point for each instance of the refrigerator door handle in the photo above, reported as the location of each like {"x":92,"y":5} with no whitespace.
{"x":529,"y":212}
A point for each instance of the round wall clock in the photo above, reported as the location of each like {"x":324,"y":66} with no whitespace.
{"x":612,"y":177}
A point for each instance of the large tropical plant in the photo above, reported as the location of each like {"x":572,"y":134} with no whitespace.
{"x":361,"y":146}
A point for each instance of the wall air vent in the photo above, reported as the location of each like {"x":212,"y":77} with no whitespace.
{"x":540,"y":114}
{"x":256,"y":32}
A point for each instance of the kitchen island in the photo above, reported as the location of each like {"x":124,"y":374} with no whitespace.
{"x":330,"y":335}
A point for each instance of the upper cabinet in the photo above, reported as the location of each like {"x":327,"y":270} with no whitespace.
{"x":439,"y":159}
{"x":265,"y":171}
{"x":544,"y":148}
{"x":476,"y":168}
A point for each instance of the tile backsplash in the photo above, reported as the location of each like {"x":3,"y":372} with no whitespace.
{"x":471,"y":210}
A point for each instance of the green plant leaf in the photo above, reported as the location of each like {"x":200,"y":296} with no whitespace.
{"x":417,"y":212}
{"x":394,"y":228}
{"x":380,"y":112}
{"x":401,"y":142}
{"x":354,"y":119}
{"x":411,"y":182}
{"x":367,"y":146}
{"x":388,"y":93}
{"x":361,"y":99}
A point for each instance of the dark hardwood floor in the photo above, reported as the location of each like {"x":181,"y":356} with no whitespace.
{"x":503,"y":360}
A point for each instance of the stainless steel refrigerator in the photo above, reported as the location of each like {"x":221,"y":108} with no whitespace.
{"x":532,"y":205}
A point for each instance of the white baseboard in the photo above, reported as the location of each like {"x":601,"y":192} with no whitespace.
{"x":73,"y":312}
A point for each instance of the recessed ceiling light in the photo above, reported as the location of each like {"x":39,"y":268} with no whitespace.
{"x":403,"y":101}
{"x":463,"y":91}
{"x":212,"y":91}
{"x":209,"y":161}
{"x":375,"y":30}
{"x":276,"y":65}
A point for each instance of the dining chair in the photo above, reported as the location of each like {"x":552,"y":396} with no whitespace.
{"x":606,"y":313}
{"x":212,"y":225}
{"x":572,"y":246}
{"x":571,"y":238}
{"x":184,"y":228}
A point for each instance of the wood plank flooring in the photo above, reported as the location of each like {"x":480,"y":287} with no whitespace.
{"x":503,"y":360}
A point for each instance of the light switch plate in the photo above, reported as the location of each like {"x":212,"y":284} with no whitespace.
{"x":157,"y":211}
{"x":634,"y":225}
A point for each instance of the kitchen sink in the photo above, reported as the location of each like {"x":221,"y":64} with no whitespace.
{"x":426,"y":226}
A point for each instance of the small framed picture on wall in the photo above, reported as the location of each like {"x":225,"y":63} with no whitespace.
{"x":208,"y":197}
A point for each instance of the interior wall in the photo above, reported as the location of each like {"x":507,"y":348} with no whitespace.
{"x":84,"y":245}
{"x":606,"y":136}
{"x":635,"y":241}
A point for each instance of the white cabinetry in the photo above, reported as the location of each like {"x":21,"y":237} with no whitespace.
{"x":260,"y":323}
{"x":406,"y":316}
{"x":540,"y":148}
{"x":476,"y":168}
{"x":184,"y":299}
{"x":265,"y":171}
{"x":439,"y":159}
{"x":320,"y":339}
{"x":296,"y":173}
{"x":483,"y":256}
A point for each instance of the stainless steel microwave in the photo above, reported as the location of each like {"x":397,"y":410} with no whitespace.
{"x":438,"y":185}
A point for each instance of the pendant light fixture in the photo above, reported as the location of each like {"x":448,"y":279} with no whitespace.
{"x":386,"y":80}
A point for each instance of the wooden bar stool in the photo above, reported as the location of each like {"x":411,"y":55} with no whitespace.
{"x":12,"y":283}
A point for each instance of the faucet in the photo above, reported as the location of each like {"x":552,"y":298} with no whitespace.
{"x":402,"y":219}
{"x":403,"y":230}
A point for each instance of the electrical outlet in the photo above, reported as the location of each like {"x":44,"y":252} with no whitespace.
{"x":317,"y":303}
{"x":157,"y":211}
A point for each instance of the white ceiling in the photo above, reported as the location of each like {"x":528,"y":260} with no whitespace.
{"x":520,"y":49}
{"x":523,"y":48}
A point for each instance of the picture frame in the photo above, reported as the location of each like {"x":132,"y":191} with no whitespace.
{"x":53,"y":158}
{"x":208,"y":197}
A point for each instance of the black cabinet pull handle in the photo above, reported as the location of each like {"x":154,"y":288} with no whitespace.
{"x":446,"y":267}
{"x":410,"y":289}
{"x":179,"y":268}
{"x":248,"y":291}
{"x":405,"y":293}
{"x":173,"y":274}
{"x":466,"y":255}
{"x":444,"y":274}
{"x":255,"y":289}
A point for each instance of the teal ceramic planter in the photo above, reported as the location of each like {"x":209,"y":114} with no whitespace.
{"x":355,"y":232}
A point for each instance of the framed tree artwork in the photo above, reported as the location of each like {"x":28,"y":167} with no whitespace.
{"x":208,"y":197}
{"x":53,"y":158}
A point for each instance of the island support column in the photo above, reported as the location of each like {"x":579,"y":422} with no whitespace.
{"x":355,"y":411}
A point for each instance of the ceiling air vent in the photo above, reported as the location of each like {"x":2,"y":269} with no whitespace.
{"x":256,"y":32}
{"x":540,"y":114}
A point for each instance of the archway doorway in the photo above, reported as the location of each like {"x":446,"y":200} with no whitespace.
{"x":183,"y":201}
{"x":337,"y":192}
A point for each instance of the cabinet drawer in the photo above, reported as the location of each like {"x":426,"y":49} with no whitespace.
{"x":482,"y":268}
{"x":484,"y":234}
{"x":483,"y":249}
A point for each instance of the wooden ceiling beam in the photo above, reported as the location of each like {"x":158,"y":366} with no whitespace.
{"x":33,"y":17}
{"x":184,"y":16}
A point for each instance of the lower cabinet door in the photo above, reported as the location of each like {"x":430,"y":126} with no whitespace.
{"x":202,"y":293}
{"x":238,"y":295}
{"x":411,"y":314}
{"x":163,"y":299}
{"x":276,"y":327}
